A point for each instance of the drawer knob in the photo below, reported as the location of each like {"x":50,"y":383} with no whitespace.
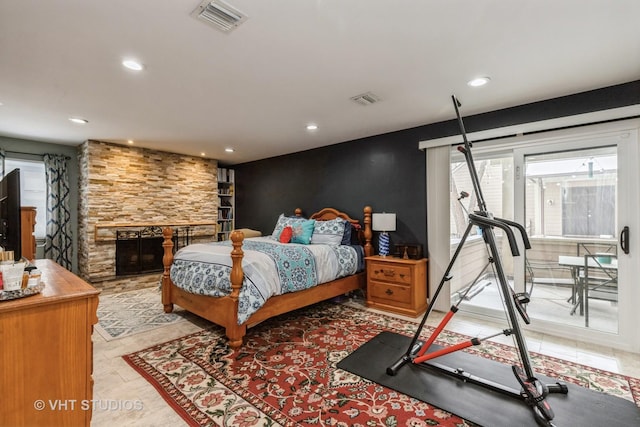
{"x":388,"y":292}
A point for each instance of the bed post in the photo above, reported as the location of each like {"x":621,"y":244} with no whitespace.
{"x":368,"y":248}
{"x":167,"y":260}
{"x":236,"y":258}
{"x":235,"y":332}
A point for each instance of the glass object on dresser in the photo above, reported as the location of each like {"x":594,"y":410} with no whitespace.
{"x":226,"y":203}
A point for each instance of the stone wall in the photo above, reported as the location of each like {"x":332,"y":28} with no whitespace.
{"x":128,"y":185}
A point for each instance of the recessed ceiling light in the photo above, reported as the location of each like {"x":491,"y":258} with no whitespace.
{"x":132,"y":64}
{"x":130,"y":141}
{"x":202,"y":154}
{"x":480,"y":81}
{"x":78,"y":120}
{"x":312,"y":126}
{"x":229,"y":150}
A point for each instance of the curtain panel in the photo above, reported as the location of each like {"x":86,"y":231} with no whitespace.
{"x":59,"y":242}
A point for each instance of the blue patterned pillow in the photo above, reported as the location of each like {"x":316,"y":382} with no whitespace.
{"x":284,"y":221}
{"x":329,"y":232}
{"x":303,"y":231}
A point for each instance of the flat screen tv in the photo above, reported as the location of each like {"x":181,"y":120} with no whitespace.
{"x":10,"y":238}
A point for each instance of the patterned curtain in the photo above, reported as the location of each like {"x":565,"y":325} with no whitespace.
{"x":2,"y":157}
{"x":58,"y":243}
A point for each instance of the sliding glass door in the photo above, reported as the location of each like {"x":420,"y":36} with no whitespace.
{"x":577,"y":196}
{"x":473,"y":283}
{"x":570,"y":213}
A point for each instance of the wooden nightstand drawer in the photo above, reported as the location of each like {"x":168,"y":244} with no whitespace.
{"x":390,"y":272}
{"x":388,"y":291}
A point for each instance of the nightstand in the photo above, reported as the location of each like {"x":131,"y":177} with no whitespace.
{"x":396,"y":284}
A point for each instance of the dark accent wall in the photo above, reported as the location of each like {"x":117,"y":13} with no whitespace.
{"x":385,"y":171}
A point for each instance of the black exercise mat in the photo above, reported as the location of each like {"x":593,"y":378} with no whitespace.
{"x":478,"y":404}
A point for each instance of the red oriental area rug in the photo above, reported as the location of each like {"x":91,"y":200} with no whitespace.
{"x":286,"y":374}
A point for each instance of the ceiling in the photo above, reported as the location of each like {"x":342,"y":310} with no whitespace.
{"x":291,"y":63}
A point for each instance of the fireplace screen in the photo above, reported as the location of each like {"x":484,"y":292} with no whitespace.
{"x":140,"y":251}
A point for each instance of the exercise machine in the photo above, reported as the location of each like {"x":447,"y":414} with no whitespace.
{"x":532,"y":392}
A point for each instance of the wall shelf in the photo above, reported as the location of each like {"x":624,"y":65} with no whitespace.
{"x":226,"y":203}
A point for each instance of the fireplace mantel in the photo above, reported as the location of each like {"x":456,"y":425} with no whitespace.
{"x":106,"y":231}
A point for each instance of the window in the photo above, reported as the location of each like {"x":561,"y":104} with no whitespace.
{"x":572,"y":193}
{"x":33,"y":189}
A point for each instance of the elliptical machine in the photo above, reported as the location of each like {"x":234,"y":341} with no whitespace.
{"x":533,"y":392}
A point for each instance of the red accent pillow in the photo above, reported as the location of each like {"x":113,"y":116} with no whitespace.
{"x":285,"y":236}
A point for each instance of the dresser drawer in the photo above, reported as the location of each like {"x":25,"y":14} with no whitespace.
{"x":389,"y":272}
{"x":390,"y":292}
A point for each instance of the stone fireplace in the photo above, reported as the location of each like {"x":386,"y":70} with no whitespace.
{"x":128,"y":192}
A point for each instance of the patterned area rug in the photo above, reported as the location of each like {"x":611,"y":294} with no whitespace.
{"x":128,"y":313}
{"x":286,"y":374}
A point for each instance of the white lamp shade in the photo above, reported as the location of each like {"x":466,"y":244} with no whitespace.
{"x":383,"y":222}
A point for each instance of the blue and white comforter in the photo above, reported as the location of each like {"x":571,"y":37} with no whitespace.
{"x":270,"y":268}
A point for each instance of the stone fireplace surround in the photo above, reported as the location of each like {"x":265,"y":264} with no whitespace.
{"x":123,"y":186}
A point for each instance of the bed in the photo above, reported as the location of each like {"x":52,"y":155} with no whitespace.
{"x":228,"y":310}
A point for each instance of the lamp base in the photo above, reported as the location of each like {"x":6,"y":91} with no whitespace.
{"x":383,"y":244}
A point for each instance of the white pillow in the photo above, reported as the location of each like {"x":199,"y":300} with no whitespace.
{"x":328,"y":232}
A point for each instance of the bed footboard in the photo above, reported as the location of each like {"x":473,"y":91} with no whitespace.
{"x":221,"y":311}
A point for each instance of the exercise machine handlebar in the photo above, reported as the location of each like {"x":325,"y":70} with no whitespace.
{"x":488,"y":222}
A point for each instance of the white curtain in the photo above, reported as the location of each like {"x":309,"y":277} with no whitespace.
{"x":438,"y":200}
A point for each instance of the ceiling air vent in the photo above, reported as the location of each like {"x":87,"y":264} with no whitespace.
{"x":219,"y":15}
{"x":367,"y":98}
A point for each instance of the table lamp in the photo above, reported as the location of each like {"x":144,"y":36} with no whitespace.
{"x":383,"y":222}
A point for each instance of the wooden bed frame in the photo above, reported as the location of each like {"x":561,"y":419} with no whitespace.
{"x":224,"y":311}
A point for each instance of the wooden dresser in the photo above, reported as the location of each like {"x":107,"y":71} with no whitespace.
{"x":46,"y":352}
{"x":27,"y":228}
{"x":396,"y":284}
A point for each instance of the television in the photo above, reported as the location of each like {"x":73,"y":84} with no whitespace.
{"x":10,"y":227}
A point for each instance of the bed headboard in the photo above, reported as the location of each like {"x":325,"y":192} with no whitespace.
{"x":364,"y":230}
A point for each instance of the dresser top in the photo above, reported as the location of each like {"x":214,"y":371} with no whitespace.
{"x":60,"y":285}
{"x":399,"y":260}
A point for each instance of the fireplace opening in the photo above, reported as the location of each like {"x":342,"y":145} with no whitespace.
{"x":140,"y":251}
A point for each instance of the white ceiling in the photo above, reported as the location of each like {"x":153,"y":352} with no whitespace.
{"x":291,"y":63}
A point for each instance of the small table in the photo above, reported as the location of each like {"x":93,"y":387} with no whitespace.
{"x":397,"y":285}
{"x":576,"y":264}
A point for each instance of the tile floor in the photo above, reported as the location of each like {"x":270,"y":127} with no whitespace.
{"x":116,"y":382}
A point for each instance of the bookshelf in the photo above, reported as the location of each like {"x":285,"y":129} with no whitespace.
{"x":226,"y":203}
